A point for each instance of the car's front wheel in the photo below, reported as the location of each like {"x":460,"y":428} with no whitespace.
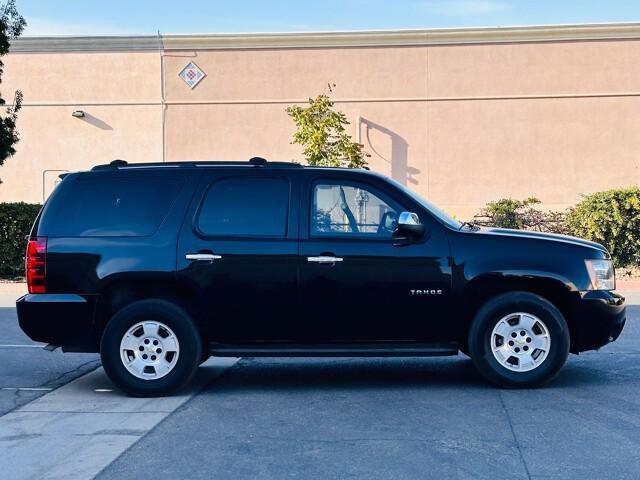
{"x":150,"y":347}
{"x":519,"y":339}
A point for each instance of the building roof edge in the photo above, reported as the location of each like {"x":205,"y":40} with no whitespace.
{"x":379,"y":38}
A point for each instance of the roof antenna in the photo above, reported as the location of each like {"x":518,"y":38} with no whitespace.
{"x":258,"y":161}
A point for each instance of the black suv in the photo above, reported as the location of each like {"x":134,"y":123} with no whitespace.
{"x":159,"y":266}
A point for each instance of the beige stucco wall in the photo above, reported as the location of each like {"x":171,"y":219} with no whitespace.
{"x":552,"y":120}
{"x":238,"y":110}
{"x":554,"y":149}
{"x":120,"y":94}
{"x":461,"y":124}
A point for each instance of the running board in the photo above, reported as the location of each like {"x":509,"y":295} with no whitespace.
{"x":334,"y":350}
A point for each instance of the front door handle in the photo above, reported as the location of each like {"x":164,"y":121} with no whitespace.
{"x":202,"y":257}
{"x":324,"y":259}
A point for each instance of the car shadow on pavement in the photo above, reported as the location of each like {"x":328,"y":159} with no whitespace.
{"x":360,"y":374}
{"x":270,"y":374}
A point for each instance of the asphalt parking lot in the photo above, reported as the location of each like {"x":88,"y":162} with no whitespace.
{"x":321,"y":418}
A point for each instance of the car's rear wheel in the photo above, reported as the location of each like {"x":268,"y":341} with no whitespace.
{"x":519,"y":339}
{"x":150,"y":347}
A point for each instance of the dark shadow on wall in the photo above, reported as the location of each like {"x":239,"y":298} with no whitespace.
{"x":96,"y":122}
{"x":400,"y":170}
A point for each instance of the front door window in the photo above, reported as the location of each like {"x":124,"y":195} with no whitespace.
{"x":351,"y":211}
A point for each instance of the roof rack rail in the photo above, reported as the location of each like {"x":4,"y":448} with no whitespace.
{"x":253,"y":162}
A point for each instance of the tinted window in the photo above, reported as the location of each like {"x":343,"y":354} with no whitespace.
{"x":122,"y":206}
{"x":249,"y":206}
{"x":352,"y":210}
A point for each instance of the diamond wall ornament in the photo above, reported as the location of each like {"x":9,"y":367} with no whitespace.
{"x":191,"y":74}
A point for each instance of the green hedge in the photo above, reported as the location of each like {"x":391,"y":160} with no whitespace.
{"x":16,"y":220}
{"x":613,"y":219}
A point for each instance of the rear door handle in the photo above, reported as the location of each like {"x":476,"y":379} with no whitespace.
{"x":324,"y":259}
{"x":202,"y":257}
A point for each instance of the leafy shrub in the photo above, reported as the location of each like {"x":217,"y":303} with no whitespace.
{"x":16,"y":220}
{"x":321,"y":130}
{"x":520,"y":214}
{"x":612,"y":218}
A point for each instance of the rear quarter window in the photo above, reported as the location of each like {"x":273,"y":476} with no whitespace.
{"x":114,"y":206}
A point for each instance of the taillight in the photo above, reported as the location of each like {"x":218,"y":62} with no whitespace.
{"x":36,"y":265}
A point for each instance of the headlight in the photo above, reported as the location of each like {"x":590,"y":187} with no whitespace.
{"x":601,"y":274}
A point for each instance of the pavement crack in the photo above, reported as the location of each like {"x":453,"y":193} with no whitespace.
{"x":81,"y":369}
{"x":23,"y":397}
{"x":513,"y":433}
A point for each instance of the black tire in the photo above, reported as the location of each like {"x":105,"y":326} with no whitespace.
{"x":173,"y":317}
{"x":479,"y":340}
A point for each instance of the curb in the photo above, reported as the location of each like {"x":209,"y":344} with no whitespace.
{"x":17,"y":288}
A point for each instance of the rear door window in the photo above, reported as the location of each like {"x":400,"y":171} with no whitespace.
{"x":245,"y":206}
{"x":114,"y":206}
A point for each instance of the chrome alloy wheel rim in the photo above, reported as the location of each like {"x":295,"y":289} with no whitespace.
{"x":520,"y":342}
{"x":149,"y":350}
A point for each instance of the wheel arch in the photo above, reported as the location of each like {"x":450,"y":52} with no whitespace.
{"x":118,"y":294}
{"x":485,"y":287}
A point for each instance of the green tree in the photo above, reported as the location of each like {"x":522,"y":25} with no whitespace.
{"x":321,"y":131}
{"x":11,"y":26}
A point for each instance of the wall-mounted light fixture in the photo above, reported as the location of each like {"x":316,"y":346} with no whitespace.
{"x":78,"y":114}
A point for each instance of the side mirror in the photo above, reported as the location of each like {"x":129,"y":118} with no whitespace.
{"x":409,"y":227}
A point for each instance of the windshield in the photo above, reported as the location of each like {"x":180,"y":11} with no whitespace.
{"x":439,"y":214}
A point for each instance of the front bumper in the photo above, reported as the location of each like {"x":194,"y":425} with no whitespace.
{"x":58,"y":319}
{"x":599,"y":319}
